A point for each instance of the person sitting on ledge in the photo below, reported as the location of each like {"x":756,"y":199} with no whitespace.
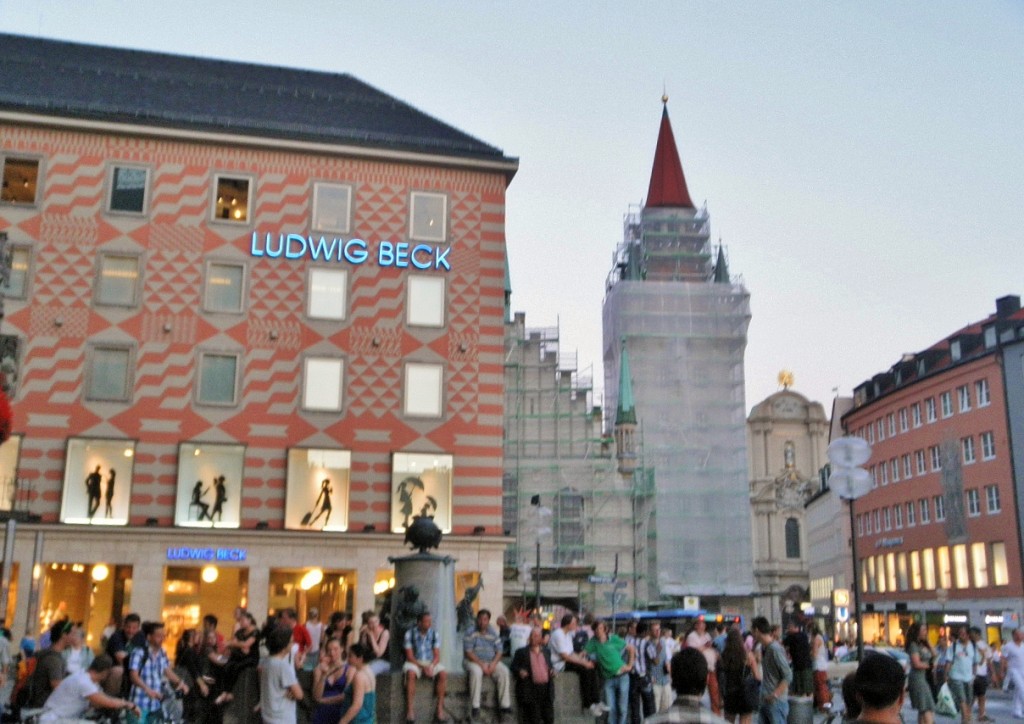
{"x":423,"y":658}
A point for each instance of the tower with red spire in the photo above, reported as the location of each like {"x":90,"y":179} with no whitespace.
{"x":672,"y":308}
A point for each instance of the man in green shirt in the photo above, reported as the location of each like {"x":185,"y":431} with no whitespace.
{"x":608,"y":652}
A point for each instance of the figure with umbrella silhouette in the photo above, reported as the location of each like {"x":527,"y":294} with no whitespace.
{"x":324,"y":502}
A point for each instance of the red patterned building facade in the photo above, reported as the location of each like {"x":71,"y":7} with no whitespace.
{"x":256,"y":327}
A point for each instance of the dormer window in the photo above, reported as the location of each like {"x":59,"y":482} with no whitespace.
{"x":954,"y":350}
{"x":990,"y":337}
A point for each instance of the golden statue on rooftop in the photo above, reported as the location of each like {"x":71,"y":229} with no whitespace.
{"x":785,"y":379}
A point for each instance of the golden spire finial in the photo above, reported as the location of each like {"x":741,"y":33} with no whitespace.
{"x":785,"y":379}
{"x":664,"y":94}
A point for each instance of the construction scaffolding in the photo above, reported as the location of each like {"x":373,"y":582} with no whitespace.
{"x":683,"y":320}
{"x":557,"y":458}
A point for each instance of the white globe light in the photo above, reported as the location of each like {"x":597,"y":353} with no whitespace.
{"x":849,"y":452}
{"x":210,"y":574}
{"x":100,"y":572}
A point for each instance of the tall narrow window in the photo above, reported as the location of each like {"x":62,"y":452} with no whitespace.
{"x":963,"y":396}
{"x":988,"y":446}
{"x":915,"y":570}
{"x":992,"y":498}
{"x":960,"y":575}
{"x":945,"y":569}
{"x":936,"y":456}
{"x":925,"y":513}
{"x":568,"y":527}
{"x":979,"y":564}
{"x":907,"y":469}
{"x":17,"y":280}
{"x":940,"y":508}
{"x":903,"y":419}
{"x":928,"y":569}
{"x":910,"y":514}
{"x":981,"y":393}
{"x":967,"y":444}
{"x":973,"y":502}
{"x":915,"y":414}
{"x":897,"y":514}
{"x":929,"y":409}
{"x":1000,"y":573}
{"x":919,"y":460}
{"x":946,"y":400}
{"x":792,"y":538}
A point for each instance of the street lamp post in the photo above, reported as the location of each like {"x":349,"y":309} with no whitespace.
{"x":540,"y":525}
{"x":851,"y":481}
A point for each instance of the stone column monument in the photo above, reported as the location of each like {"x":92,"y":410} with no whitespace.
{"x":424,"y":582}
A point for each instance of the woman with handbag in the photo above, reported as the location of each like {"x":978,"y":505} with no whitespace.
{"x":740,"y":678}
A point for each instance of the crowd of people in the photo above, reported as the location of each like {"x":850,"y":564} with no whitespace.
{"x":639,"y":672}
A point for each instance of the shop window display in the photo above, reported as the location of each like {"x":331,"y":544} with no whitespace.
{"x":421,"y":484}
{"x":209,"y":485}
{"x":318,"y":483}
{"x":97,"y":481}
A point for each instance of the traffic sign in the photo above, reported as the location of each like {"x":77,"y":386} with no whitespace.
{"x":600,"y":579}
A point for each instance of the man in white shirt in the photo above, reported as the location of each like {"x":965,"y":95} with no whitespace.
{"x":565,"y":658}
{"x":1013,"y":670}
{"x":73,"y":696}
{"x":700,"y":639}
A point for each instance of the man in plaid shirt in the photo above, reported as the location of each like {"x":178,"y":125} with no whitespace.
{"x":147,"y":668}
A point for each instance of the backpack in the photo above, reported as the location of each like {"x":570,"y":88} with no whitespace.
{"x":579,"y":641}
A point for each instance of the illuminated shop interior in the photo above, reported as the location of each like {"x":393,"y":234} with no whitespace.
{"x":92,"y":594}
{"x":329,"y":590}
{"x":191,"y":592}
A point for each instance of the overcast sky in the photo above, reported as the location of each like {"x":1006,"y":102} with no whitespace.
{"x":863,"y":163}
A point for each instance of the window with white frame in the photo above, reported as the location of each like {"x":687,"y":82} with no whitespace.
{"x":992,"y":499}
{"x":127,"y":190}
{"x":860,"y":526}
{"x":891,"y":420}
{"x":225,"y":282}
{"x":936,"y":456}
{"x":929,"y":409}
{"x":429,"y":218}
{"x":946,"y":401}
{"x":988,"y":445}
{"x":874,"y":476}
{"x":232,"y":198}
{"x":973,"y":502}
{"x":940,"y":508}
{"x":981,"y":393}
{"x":915,"y":414}
{"x":967,"y":444}
{"x":332,"y":207}
{"x":903,"y":420}
{"x":20,"y":180}
{"x":907,"y":469}
{"x":894,"y":470}
{"x":871,"y":432}
{"x":919,"y":460}
{"x":963,"y":396}
{"x":109,"y":370}
{"x":878,"y":521}
{"x":323,"y":384}
{"x":17,"y":278}
{"x":911,"y":518}
{"x":925,"y":512}
{"x":887,"y":518}
{"x":424,"y":390}
{"x":328,"y":294}
{"x":897,"y":514}
{"x":880,"y":429}
{"x":884,"y":469}
{"x":425,"y":301}
{"x":218,"y":378}
{"x":867,"y":523}
{"x":118,"y":280}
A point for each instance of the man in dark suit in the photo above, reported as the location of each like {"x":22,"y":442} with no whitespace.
{"x":534,"y":675}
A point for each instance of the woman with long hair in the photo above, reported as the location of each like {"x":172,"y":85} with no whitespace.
{"x":921,"y":658}
{"x":330,"y":677}
{"x":361,"y":694}
{"x":734,"y":666}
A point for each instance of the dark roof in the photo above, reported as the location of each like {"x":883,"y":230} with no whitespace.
{"x":52,"y":77}
{"x":668,"y":184}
